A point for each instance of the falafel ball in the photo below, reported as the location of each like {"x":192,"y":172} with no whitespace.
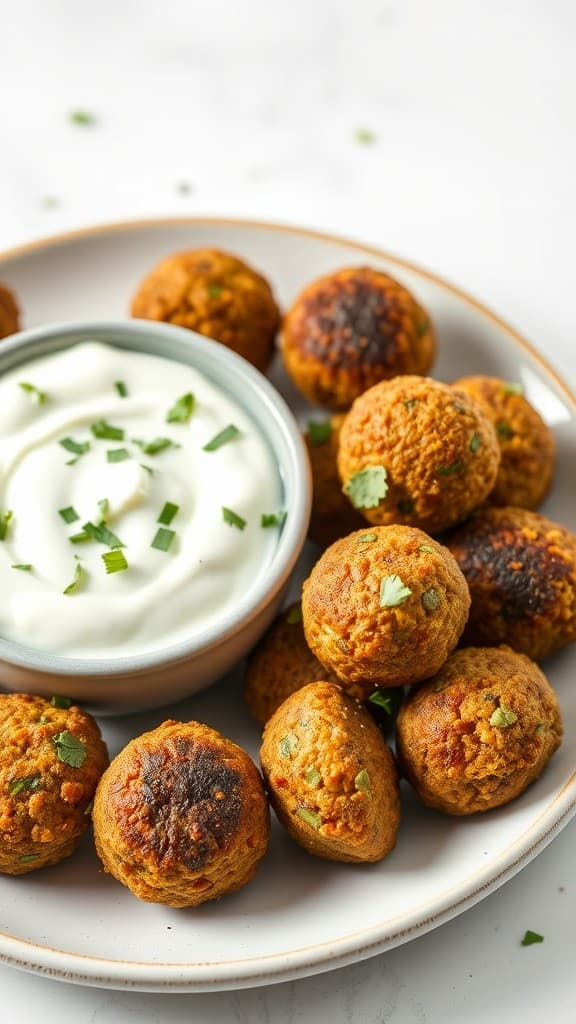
{"x":351,"y":329}
{"x":51,"y":757}
{"x":332,"y":514}
{"x":216,"y":294}
{"x":384,"y":607}
{"x":416,"y":451}
{"x":9,"y":312}
{"x":180,"y":816}
{"x":332,"y":780}
{"x":526,"y":442}
{"x":480,"y":732}
{"x":521,"y":571}
{"x":280,"y":663}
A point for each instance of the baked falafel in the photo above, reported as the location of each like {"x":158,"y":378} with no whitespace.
{"x":332,"y":515}
{"x":350,"y":329}
{"x":478,"y":733}
{"x":9,"y":312}
{"x":51,"y":757}
{"x":180,"y":816}
{"x":526,"y":442}
{"x":332,"y":780}
{"x":384,"y":607}
{"x":521,"y":571}
{"x":416,"y":451}
{"x":215,"y":294}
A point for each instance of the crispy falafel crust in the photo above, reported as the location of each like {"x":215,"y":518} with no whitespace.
{"x":526,"y":442}
{"x":9,"y":312}
{"x":332,"y":514}
{"x":370,"y":643}
{"x":44,"y":803}
{"x":521,"y":571}
{"x":480,"y":732}
{"x":437,"y":445}
{"x":181,"y":816}
{"x":350,"y":329}
{"x":331,"y":778}
{"x":216,"y":294}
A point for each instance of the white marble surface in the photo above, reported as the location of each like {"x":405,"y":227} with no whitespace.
{"x":255,"y":106}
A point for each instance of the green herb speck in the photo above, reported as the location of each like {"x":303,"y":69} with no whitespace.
{"x":70,"y":749}
{"x":311,"y":818}
{"x":288,"y":744}
{"x":393,"y":592}
{"x":368,"y":487}
{"x":319,"y":431}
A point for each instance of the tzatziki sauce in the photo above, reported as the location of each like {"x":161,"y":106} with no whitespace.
{"x":138,"y":503}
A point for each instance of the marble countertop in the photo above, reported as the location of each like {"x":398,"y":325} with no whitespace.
{"x":441,"y":132}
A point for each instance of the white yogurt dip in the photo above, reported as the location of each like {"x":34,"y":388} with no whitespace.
{"x":189,"y":520}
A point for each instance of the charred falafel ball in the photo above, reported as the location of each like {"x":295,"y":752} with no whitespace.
{"x":526,"y":442}
{"x":416,"y":451}
{"x":280,"y":664}
{"x":332,"y":780}
{"x":351,"y":329}
{"x":332,"y":514}
{"x":51,"y":757}
{"x":384,"y":607}
{"x":480,"y":732}
{"x":216,"y":294}
{"x":180,"y":816}
{"x":521,"y":571}
{"x":9,"y":312}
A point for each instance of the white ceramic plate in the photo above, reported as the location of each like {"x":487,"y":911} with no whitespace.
{"x":300,"y":915}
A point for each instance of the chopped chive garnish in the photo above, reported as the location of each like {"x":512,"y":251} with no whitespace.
{"x":182,"y":410}
{"x":167,"y":514}
{"x":163,"y":539}
{"x":272,"y":519}
{"x":106,"y":432}
{"x":61,"y":702}
{"x":83,"y":118}
{"x":117,"y":455}
{"x":148,"y":469}
{"x":31,"y":389}
{"x":121,"y":388}
{"x":226,"y":435}
{"x":104,"y":506}
{"x":155,"y":446}
{"x":78,"y":577}
{"x":76,"y":447}
{"x":72,"y":462}
{"x":69,"y":515}
{"x":79,"y":538}
{"x":5,"y":519}
{"x":24,"y":566}
{"x":232,"y":518}
{"x":103,"y":535}
{"x":115,"y":561}
{"x":319,"y":431}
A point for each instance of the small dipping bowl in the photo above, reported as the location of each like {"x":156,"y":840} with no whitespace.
{"x":113,"y":685}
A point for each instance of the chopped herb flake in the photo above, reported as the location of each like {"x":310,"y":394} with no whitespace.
{"x":268,"y":519}
{"x":182,"y":410}
{"x":27,"y":858}
{"x":459,"y":407}
{"x":311,"y":818}
{"x":121,"y":388}
{"x":5,"y":520}
{"x":393,"y":592}
{"x":20,"y":785}
{"x":504,"y":430}
{"x":502,"y":717}
{"x":82,"y":118}
{"x":104,"y":506}
{"x":364,"y":136}
{"x":163,"y":539}
{"x":61,"y":702}
{"x":530,"y":938}
{"x":232,"y":518}
{"x":117,"y":454}
{"x":312,"y":777}
{"x":426,"y":548}
{"x":70,"y":749}
{"x":362,"y":781}
{"x":319,"y":431}
{"x":453,"y":467}
{"x":24,"y":566}
{"x":381,"y":700}
{"x":148,"y":469}
{"x":431,"y":600}
{"x":214,"y":291}
{"x":368,"y":487}
{"x":294,"y":615}
{"x":69,"y":515}
{"x":367,"y":538}
{"x":106,"y":432}
{"x":34,"y":392}
{"x":102,"y":534}
{"x":475,"y":443}
{"x":114,"y":561}
{"x":79,"y":538}
{"x":77,"y":580}
{"x":226,"y":435}
{"x":288,"y":744}
{"x":159,"y":444}
{"x":168,"y":513}
{"x":76,"y":447}
{"x":512,"y":388}
{"x":409,"y":402}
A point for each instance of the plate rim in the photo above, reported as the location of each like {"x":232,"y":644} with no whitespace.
{"x":254,"y":971}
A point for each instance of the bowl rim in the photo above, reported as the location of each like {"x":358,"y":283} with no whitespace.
{"x":293,"y":468}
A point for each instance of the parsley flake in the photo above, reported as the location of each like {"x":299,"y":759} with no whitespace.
{"x":319,"y":431}
{"x":530,"y":938}
{"x":34,"y":392}
{"x":182,"y":410}
{"x":393,"y":592}
{"x":163,"y":539}
{"x":114,"y":561}
{"x":232,"y":518}
{"x":368,"y":487}
{"x":70,"y":749}
{"x":226,"y":435}
{"x":502,"y":717}
{"x":5,"y":520}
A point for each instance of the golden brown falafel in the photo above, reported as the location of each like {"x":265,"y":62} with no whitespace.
{"x":332,"y":516}
{"x":9,"y":312}
{"x":351,"y":329}
{"x":216,"y":294}
{"x":521,"y":571}
{"x":51,"y":757}
{"x":384,"y":607}
{"x":480,"y":732}
{"x":332,"y":780}
{"x":526,"y":442}
{"x":180,"y":816}
{"x":281,"y":663}
{"x":413,"y":450}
